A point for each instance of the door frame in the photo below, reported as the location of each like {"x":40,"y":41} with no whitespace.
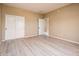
{"x":47,"y":26}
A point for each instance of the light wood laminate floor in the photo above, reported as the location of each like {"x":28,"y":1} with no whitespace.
{"x":38,"y":46}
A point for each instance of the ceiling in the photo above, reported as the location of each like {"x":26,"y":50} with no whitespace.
{"x":38,"y":7}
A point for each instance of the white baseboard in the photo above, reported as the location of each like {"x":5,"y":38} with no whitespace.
{"x":21,"y":38}
{"x":30,"y":36}
{"x":66,"y":39}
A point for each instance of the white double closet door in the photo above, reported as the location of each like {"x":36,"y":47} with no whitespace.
{"x":14,"y":27}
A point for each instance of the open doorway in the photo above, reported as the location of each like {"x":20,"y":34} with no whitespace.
{"x":43,"y":25}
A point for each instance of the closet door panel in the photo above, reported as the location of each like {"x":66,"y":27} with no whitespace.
{"x":19,"y":26}
{"x":10,"y":31}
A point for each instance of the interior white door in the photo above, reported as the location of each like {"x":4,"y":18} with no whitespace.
{"x":10,"y":27}
{"x":41,"y":26}
{"x":14,"y":27}
{"x":20,"y":26}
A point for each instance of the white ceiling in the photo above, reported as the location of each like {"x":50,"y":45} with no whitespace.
{"x":38,"y":7}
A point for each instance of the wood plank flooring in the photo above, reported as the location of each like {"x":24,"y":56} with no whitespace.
{"x":38,"y":46}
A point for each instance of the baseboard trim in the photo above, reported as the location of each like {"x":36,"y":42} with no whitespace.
{"x":30,"y":36}
{"x":66,"y":40}
{"x":21,"y":38}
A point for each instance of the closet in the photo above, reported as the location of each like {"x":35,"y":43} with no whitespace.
{"x":14,"y":27}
